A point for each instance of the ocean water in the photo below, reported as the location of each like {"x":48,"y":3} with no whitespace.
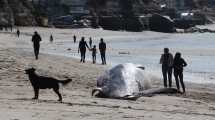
{"x":145,"y":48}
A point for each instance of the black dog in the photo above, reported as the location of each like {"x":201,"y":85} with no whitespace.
{"x":41,"y":82}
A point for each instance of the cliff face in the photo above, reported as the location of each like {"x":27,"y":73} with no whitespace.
{"x":16,"y":12}
{"x":122,"y":7}
{"x":22,"y":12}
{"x":199,"y":4}
{"x":142,"y":6}
{"x":6,"y":15}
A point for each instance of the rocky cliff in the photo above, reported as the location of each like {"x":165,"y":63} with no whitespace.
{"x":22,"y":12}
{"x":16,"y":12}
{"x":122,"y":7}
{"x":142,"y":6}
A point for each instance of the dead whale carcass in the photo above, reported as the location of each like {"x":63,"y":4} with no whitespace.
{"x":121,"y":81}
{"x":126,"y":81}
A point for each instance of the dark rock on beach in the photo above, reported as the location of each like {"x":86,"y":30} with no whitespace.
{"x":161,"y":24}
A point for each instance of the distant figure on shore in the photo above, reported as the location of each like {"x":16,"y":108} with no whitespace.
{"x":90,"y":42}
{"x":94,"y":52}
{"x":167,"y":62}
{"x":36,"y":39}
{"x":178,"y":65}
{"x":5,"y":28}
{"x":102,"y":49}
{"x":17,"y":32}
{"x":82,"y":48}
{"x":11,"y":28}
{"x":74,"y":39}
{"x":51,"y":38}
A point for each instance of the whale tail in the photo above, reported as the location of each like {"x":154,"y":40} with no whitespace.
{"x":131,"y":97}
{"x":152,"y":92}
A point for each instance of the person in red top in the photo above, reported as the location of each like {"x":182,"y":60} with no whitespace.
{"x":178,"y":65}
{"x":102,"y":49}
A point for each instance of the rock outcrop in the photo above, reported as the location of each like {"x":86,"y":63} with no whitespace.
{"x":161,"y":24}
{"x":16,"y":12}
{"x":111,"y":14}
{"x":6,"y":13}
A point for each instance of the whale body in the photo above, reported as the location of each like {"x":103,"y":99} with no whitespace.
{"x":126,"y":81}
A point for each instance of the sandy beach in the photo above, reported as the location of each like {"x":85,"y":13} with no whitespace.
{"x":78,"y":104}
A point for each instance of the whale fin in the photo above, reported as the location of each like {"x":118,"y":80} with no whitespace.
{"x":166,"y":91}
{"x":141,"y":67}
{"x":159,"y":91}
{"x":130,"y":97}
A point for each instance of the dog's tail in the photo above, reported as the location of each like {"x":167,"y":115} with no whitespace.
{"x":65,"y":82}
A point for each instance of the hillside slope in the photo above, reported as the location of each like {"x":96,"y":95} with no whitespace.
{"x":16,"y":12}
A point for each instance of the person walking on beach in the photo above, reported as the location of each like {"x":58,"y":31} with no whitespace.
{"x":17,"y":32}
{"x":36,"y":39}
{"x":167,"y":62}
{"x":90,"y":42}
{"x":178,"y":65}
{"x":74,"y":39}
{"x":51,"y":38}
{"x":102,"y":49}
{"x":82,"y":49}
{"x":94,"y":52}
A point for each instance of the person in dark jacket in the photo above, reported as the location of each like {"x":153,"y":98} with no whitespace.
{"x":36,"y":39}
{"x":102,"y":49}
{"x":90,"y":42}
{"x":94,"y":51}
{"x":167,"y":61}
{"x":74,"y":39}
{"x":178,"y":65}
{"x":17,"y":32}
{"x":82,"y":49}
{"x":51,"y":38}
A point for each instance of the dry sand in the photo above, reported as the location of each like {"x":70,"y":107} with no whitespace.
{"x":16,"y":93}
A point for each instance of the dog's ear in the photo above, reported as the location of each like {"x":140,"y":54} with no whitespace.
{"x":30,"y":69}
{"x":33,"y":69}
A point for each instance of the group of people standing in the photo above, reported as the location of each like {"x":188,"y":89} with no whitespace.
{"x":102,"y":48}
{"x":169,"y":64}
{"x":36,"y":39}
